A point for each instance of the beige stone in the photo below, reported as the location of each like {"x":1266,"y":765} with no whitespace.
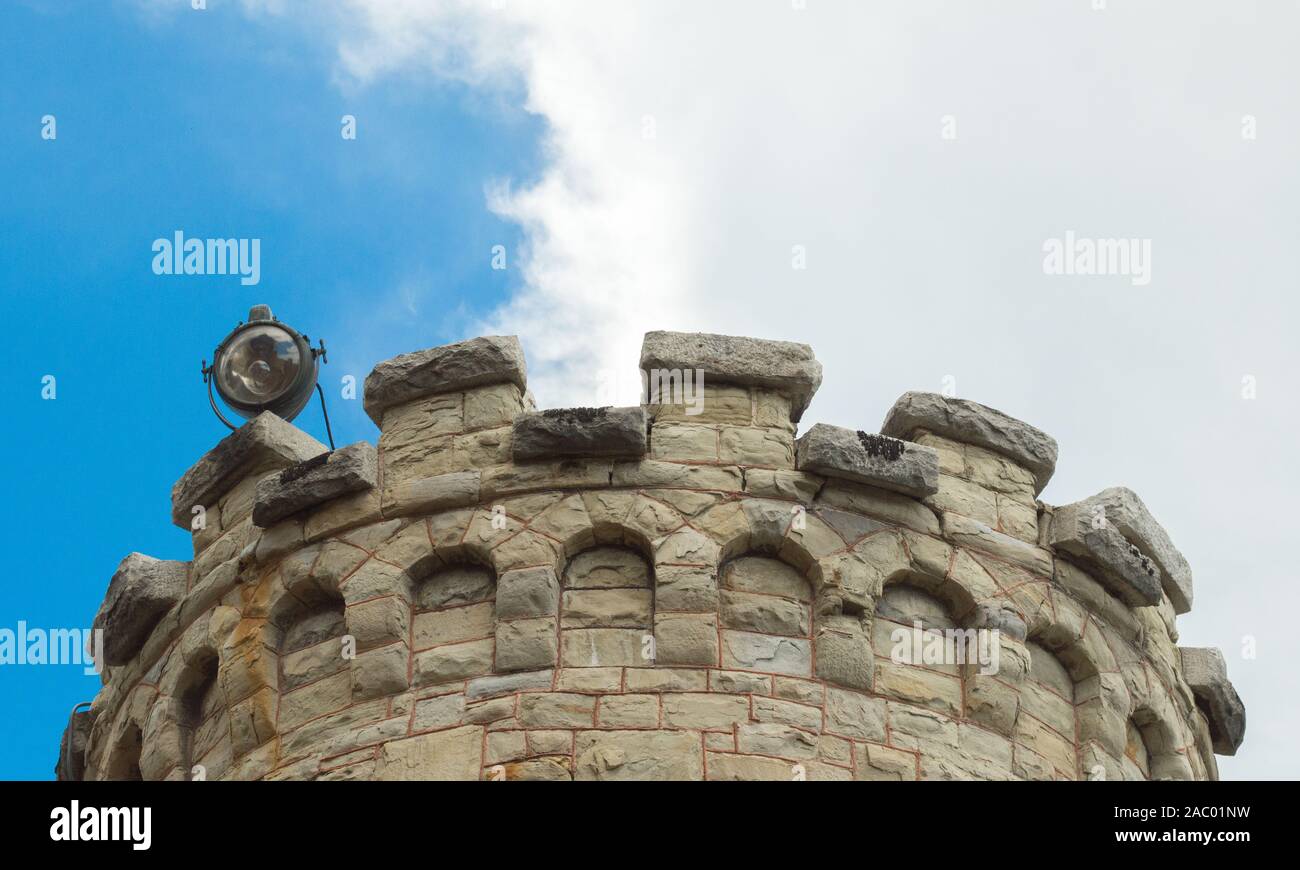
{"x":638,"y":755}
{"x":606,"y":647}
{"x":443,"y":755}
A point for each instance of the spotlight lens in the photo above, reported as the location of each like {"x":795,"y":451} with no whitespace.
{"x":260,"y":365}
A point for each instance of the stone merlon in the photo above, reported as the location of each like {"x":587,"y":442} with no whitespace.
{"x":1123,"y":510}
{"x":785,"y":367}
{"x":872,"y":459}
{"x":972,"y":423}
{"x":142,"y":590}
{"x":576,"y":432}
{"x":315,"y":481}
{"x":1207,"y":673}
{"x":262,"y":444}
{"x":1077,"y":529}
{"x":478,"y":362}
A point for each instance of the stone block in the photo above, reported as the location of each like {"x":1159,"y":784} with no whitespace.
{"x":888,"y":463}
{"x":453,"y":625}
{"x":478,"y":362}
{"x":767,"y":653}
{"x":852,"y":715}
{"x":1206,"y":672}
{"x":349,"y":470}
{"x":686,"y":639}
{"x":455,"y":661}
{"x":1121,"y":509}
{"x":967,"y":532}
{"x":607,"y":647}
{"x":607,"y":608}
{"x":780,"y":741}
{"x":704,"y":711}
{"x":629,"y":711}
{"x":262,"y":444}
{"x":844,"y":655}
{"x":142,"y":590}
{"x":526,"y":644}
{"x":971,"y":423}
{"x":378,"y":622}
{"x":508,"y":684}
{"x":784,"y":367}
{"x":765,"y":614}
{"x":578,"y":432}
{"x":1118,"y":563}
{"x":381,"y":672}
{"x":428,"y":494}
{"x":528,"y":592}
{"x":556,"y":710}
{"x":638,"y":756}
{"x":443,"y":755}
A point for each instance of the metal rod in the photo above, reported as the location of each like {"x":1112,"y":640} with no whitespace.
{"x":213,"y":402}
{"x":326,"y":413}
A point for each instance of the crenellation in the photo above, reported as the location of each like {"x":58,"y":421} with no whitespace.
{"x":960,"y":420}
{"x":679,"y":589}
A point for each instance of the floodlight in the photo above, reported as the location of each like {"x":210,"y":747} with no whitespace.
{"x":265,"y":365}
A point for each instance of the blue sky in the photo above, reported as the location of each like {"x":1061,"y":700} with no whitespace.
{"x":207,"y":125}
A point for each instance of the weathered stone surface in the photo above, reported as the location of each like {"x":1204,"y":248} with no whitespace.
{"x":72,"y":748}
{"x":780,"y":741}
{"x":765,"y":614}
{"x":607,"y":647}
{"x":508,"y":684}
{"x":606,"y":568}
{"x":784,"y":367}
{"x":455,"y":489}
{"x":556,"y":710}
{"x":478,"y":362}
{"x":686,"y":638}
{"x":854,"y":715}
{"x":262,"y":444}
{"x":972,"y":423}
{"x":317,"y":480}
{"x":142,"y":590}
{"x":565,"y":432}
{"x":768,"y":653}
{"x":1122,"y":509}
{"x":878,"y":460}
{"x":638,"y":755}
{"x":528,"y":592}
{"x":456,"y":661}
{"x":1118,"y":563}
{"x":442,"y":755}
{"x":1206,"y":672}
{"x":527,"y":644}
{"x":976,"y":535}
{"x":607,"y":608}
{"x":629,"y":711}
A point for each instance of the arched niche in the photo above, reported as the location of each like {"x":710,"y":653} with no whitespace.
{"x":453,"y":619}
{"x":919,"y":644}
{"x":1047,"y":722}
{"x":765,"y":616}
{"x":607,"y":609}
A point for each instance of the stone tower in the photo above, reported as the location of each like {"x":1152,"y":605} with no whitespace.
{"x":682,"y":590}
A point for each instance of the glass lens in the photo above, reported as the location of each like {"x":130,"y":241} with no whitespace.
{"x":259,"y":365}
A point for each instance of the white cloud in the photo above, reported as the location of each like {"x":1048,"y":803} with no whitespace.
{"x":820,"y":127}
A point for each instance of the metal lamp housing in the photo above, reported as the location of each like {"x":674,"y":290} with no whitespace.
{"x":265,"y":365}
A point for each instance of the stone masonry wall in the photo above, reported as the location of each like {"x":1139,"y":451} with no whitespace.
{"x":680,"y":590}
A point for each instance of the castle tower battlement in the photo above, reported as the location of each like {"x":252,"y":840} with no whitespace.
{"x":684,"y":589}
